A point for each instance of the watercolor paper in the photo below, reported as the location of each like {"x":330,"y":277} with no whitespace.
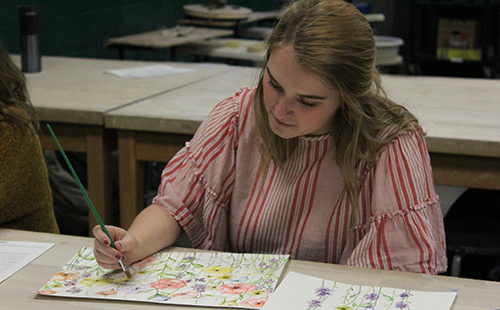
{"x":302,"y":292}
{"x":188,"y":278}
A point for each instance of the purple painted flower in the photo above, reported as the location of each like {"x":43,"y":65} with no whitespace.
{"x":264,"y":265}
{"x":274,"y":260}
{"x":404,"y":295}
{"x":86,"y":274}
{"x":401,"y":305}
{"x":70,"y":283}
{"x":369,"y":307}
{"x":133,"y":289}
{"x":314,"y":303}
{"x":371,"y":296}
{"x":188,"y":258}
{"x":323,"y":291}
{"x":74,"y":290}
{"x":200,"y":288}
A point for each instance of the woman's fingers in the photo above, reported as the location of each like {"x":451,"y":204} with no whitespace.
{"x":106,"y":256}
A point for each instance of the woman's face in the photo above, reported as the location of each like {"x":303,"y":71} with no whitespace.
{"x":297,"y":102}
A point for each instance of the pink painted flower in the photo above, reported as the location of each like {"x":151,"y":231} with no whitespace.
{"x":254,"y":302}
{"x":146,"y":262}
{"x":236,"y":288}
{"x":168,"y":284}
{"x":67,"y":275}
{"x":107,"y":293}
{"x":45,"y":292}
{"x":185,"y":295}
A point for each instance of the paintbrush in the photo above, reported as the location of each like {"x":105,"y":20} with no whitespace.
{"x":91,"y":205}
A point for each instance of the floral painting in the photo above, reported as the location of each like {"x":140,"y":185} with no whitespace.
{"x":191,"y":278}
{"x":301,"y":292}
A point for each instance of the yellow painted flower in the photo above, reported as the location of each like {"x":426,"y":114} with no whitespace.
{"x":344,"y":308}
{"x":217,"y":270}
{"x":225,"y":277}
{"x":90,"y":282}
{"x":212,"y":287}
{"x":257,"y":293}
{"x":230,"y":303}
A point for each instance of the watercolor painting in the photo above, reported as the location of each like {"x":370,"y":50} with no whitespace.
{"x":188,"y":278}
{"x":302,"y":292}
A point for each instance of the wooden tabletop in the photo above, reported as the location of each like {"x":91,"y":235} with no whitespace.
{"x":77,"y":90}
{"x":17,"y":292}
{"x":182,"y":110}
{"x":460,"y":115}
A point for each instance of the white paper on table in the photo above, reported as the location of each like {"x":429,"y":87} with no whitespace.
{"x":14,"y":255}
{"x":183,"y":278}
{"x":148,"y":71}
{"x":298,"y":291}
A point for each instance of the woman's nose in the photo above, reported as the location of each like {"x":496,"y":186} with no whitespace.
{"x":282,"y":108}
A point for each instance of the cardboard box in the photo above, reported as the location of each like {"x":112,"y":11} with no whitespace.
{"x":457,"y":40}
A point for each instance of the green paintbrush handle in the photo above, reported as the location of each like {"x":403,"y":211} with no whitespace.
{"x":94,"y":211}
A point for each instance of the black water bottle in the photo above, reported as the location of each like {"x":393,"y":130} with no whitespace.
{"x":29,"y":27}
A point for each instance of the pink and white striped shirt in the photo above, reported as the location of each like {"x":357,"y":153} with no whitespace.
{"x":213,"y":188}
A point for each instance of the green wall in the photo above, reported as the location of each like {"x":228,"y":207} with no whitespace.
{"x":79,"y":27}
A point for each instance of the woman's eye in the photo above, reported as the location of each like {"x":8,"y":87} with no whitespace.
{"x":309,"y":104}
{"x":274,"y":85}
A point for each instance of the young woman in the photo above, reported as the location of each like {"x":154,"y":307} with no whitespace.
{"x":316,"y":162}
{"x":25,"y":195}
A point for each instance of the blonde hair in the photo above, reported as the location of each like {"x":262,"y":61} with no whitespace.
{"x":335,"y":42}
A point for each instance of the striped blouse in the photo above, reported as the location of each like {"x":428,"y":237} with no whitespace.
{"x":213,"y":187}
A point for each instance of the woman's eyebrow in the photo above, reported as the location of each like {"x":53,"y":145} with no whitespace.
{"x":314,"y":97}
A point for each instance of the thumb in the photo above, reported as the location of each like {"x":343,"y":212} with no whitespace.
{"x":125,"y":244}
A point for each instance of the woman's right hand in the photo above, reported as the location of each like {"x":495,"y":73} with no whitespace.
{"x":151,"y":231}
{"x":108,"y":257}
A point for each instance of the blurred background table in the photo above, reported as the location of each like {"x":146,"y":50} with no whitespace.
{"x":165,"y":38}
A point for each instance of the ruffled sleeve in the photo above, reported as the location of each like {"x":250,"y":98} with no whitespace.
{"x":197,"y":183}
{"x":402,"y":228}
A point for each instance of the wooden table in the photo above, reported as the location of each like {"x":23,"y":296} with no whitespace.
{"x":460,"y":117}
{"x":156,"y":128}
{"x":165,"y":38}
{"x":72,"y":94}
{"x":17,"y":292}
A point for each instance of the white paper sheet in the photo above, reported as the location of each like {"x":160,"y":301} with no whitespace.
{"x":15,"y":255}
{"x":183,"y":278}
{"x":148,"y":71}
{"x":298,"y":291}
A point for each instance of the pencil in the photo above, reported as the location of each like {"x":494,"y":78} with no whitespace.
{"x":91,"y":205}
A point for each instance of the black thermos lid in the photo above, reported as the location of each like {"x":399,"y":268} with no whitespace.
{"x":29,"y":19}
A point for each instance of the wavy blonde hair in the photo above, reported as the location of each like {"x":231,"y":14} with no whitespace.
{"x":335,"y":42}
